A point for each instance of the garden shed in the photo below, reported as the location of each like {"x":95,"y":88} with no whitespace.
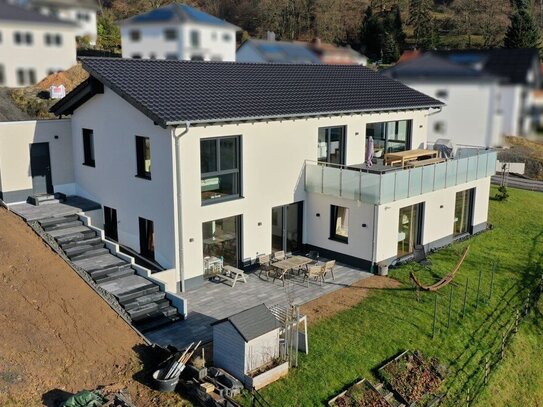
{"x":246,"y":341}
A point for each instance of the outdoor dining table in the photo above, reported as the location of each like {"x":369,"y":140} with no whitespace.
{"x":292,"y":263}
{"x":409,"y":155}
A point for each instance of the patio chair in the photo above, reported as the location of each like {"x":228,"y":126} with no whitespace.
{"x":278,"y":256}
{"x":264,"y":262}
{"x":316,"y":273}
{"x":329,"y":268}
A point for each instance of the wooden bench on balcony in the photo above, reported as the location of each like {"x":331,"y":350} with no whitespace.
{"x":421,"y":163}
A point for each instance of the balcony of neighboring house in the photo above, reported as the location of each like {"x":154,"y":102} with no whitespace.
{"x":400,"y":175}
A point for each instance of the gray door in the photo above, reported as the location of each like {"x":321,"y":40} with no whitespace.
{"x":40,"y":168}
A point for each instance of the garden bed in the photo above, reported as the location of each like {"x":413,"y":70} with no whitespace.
{"x":259,"y":378}
{"x":414,"y":377}
{"x":361,"y":394}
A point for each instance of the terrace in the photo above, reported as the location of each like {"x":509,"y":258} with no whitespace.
{"x":381,"y":184}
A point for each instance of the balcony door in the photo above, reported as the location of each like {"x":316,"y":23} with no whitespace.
{"x":390,"y":137}
{"x":331,"y":145}
{"x":287,"y":223}
{"x":410,"y":228}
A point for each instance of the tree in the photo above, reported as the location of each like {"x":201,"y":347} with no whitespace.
{"x":487,"y":18}
{"x":420,"y":17}
{"x":109,"y":36}
{"x":522,"y":31}
{"x":391,"y":51}
{"x":382,"y":34}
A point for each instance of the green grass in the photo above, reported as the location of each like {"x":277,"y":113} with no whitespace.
{"x":353,"y":343}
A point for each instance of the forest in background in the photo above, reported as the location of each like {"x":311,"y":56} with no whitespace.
{"x":381,"y":29}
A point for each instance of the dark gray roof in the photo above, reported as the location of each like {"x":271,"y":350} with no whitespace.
{"x":178,"y":13}
{"x":429,"y":67}
{"x":176,"y":92}
{"x":14,"y":13}
{"x":514,"y":64}
{"x":281,"y":52}
{"x":253,"y":322}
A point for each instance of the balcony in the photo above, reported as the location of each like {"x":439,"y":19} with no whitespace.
{"x":380,"y":185}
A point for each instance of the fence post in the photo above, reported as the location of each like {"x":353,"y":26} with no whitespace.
{"x":527,"y":305}
{"x":465,"y":297}
{"x":503,"y":344}
{"x":450,"y":307}
{"x":487,"y":370}
{"x":467,"y":398}
{"x":517,"y":316}
{"x":478,"y":289}
{"x":492,"y":280}
{"x":435,"y":318}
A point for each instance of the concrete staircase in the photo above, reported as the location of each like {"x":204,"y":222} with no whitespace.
{"x":142,"y":299}
{"x":38,"y":200}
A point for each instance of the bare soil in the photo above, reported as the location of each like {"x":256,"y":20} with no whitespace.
{"x":56,"y":334}
{"x":345,"y":298}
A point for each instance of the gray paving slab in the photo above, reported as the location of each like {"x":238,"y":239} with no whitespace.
{"x":215,"y":300}
{"x":67,"y":231}
{"x":124,"y":284}
{"x":72,"y":205}
{"x":99,"y":262}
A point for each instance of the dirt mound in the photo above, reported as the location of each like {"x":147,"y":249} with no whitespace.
{"x":56,"y":334}
{"x":69,"y":78}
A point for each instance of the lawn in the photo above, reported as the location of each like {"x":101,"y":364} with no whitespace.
{"x":353,"y":343}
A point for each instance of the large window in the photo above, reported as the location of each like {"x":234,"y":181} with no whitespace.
{"x":53,"y":39}
{"x":221,"y":240}
{"x":88,"y":148}
{"x":143,"y":157}
{"x":339,"y":225}
{"x":26,"y":76}
{"x":331,"y":145}
{"x":20,"y":38}
{"x":390,"y":137}
{"x":220,"y":167}
{"x":462,"y":212}
{"x":195,"y":39}
{"x":409,"y":229}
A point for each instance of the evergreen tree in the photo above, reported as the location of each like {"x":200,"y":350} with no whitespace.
{"x":420,"y":17}
{"x":391,"y":51}
{"x":382,"y":34}
{"x":522,"y":31}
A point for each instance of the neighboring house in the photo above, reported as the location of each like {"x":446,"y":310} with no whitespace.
{"x":178,"y":31}
{"x":192,"y":166}
{"x":80,"y":12}
{"x":33,"y":46}
{"x":284,"y":52}
{"x":246,"y":341}
{"x":278,"y":52}
{"x":519,"y":70}
{"x":472,"y":112}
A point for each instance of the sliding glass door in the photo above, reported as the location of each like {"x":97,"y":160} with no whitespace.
{"x":390,"y":137}
{"x":409,"y":228}
{"x":287,"y":227}
{"x":221,"y":239}
{"x":463,"y":210}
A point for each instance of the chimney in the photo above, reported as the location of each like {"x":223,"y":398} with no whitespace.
{"x":270,"y":36}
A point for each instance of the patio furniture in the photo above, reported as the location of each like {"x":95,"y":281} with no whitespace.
{"x":232,"y":274}
{"x":421,"y":163}
{"x":314,"y":256}
{"x":329,"y":268}
{"x":264,"y":262}
{"x":316,"y":273}
{"x":278,"y":256}
{"x":212,"y":267}
{"x":401,"y":157}
{"x":286,"y":265}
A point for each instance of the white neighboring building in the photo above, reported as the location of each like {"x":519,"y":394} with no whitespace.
{"x":472,"y":114}
{"x":33,"y":46}
{"x":195,"y":167}
{"x":178,"y":31}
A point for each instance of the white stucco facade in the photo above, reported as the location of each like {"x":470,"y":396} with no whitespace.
{"x":213,"y":44}
{"x":28,"y":62}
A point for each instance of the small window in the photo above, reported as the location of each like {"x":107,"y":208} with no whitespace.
{"x":442,"y":94}
{"x":2,"y":75}
{"x":88,"y":148}
{"x":29,"y":38}
{"x":170,"y":34}
{"x":21,"y":77}
{"x":135,"y":35}
{"x":17,"y":38}
{"x":47,"y":39}
{"x":32,"y":76}
{"x":171,"y":56}
{"x":339,"y":225}
{"x":440,"y":127}
{"x":0,"y":37}
{"x":195,"y":38}
{"x":227,"y":37}
{"x":197,"y":57}
{"x":136,"y":56}
{"x":147,"y":238}
{"x":143,"y":157}
{"x":58,"y":39}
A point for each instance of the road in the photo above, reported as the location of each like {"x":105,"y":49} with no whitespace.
{"x":518,"y":182}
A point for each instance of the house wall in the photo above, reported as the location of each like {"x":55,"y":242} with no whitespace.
{"x":113,"y":182}
{"x":84,"y":27}
{"x":212,"y":44}
{"x":229,"y":349}
{"x":471,"y":115}
{"x":15,"y":140}
{"x":273,"y":157}
{"x":261,"y":350}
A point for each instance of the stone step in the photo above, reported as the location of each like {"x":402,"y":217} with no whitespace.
{"x":77,"y":250}
{"x":64,"y":225}
{"x":157,"y":322}
{"x":48,"y":202}
{"x":115,"y":275}
{"x":148,"y":310}
{"x":75,"y":237}
{"x":90,"y":241}
{"x":69,"y":231}
{"x":96,"y":274}
{"x":99,"y":263}
{"x":140,"y":292}
{"x":145,"y":299}
{"x":57,"y":220}
{"x":90,"y":253}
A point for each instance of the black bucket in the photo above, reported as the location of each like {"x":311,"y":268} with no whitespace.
{"x":164,"y":385}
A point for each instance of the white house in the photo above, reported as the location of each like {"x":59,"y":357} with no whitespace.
{"x":195,"y":166}
{"x":472,"y":114}
{"x":519,"y":71}
{"x":80,"y":12}
{"x":178,"y":31}
{"x":33,"y":46}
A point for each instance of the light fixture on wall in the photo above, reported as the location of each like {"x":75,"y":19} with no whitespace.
{"x":440,"y":206}
{"x":56,"y":137}
{"x":191,"y":240}
{"x":259,"y":223}
{"x":318,"y":215}
{"x":364,"y":225}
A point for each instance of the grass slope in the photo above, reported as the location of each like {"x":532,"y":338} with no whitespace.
{"x":355,"y":342}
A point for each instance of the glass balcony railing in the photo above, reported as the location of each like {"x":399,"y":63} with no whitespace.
{"x":375,"y":187}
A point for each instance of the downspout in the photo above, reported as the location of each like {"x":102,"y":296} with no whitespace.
{"x":374,"y":242}
{"x":177,"y":169}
